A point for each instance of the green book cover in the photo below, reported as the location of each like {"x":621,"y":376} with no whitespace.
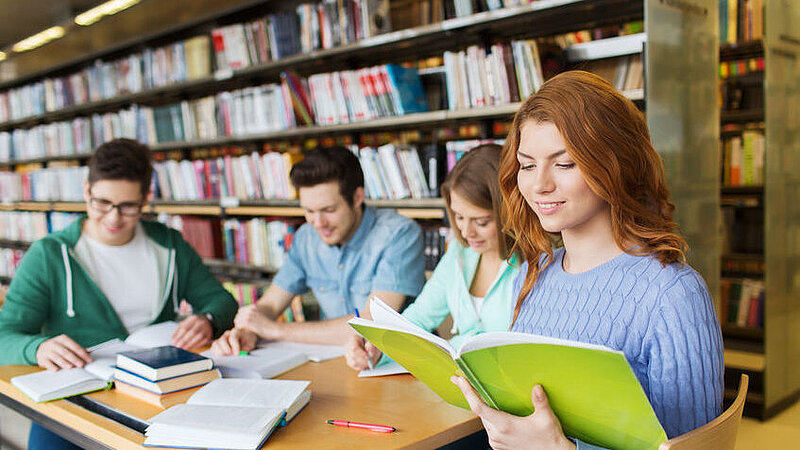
{"x":592,"y":389}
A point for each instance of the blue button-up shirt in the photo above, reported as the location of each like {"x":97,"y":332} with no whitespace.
{"x":384,"y":254}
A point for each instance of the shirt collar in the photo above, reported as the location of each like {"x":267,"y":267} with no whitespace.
{"x":367,"y":222}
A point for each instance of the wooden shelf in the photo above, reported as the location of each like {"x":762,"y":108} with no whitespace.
{"x":744,"y":115}
{"x":607,"y":48}
{"x":730,"y":330}
{"x":429,"y":208}
{"x":22,"y":245}
{"x":744,"y":360}
{"x":225,"y":264}
{"x":742,"y":50}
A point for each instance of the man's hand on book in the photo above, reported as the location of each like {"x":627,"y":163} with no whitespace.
{"x":359,"y":351}
{"x":61,"y":352}
{"x":540,"y":430}
{"x":250,"y":318}
{"x":233,"y":341}
{"x":193,"y":332}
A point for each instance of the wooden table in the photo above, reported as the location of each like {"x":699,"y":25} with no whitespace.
{"x":422,"y":419}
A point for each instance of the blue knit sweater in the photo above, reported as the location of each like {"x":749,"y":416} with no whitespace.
{"x":662,"y":318}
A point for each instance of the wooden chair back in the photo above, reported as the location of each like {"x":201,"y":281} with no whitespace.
{"x":719,"y":434}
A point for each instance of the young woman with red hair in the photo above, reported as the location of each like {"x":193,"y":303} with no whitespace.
{"x":579,"y":173}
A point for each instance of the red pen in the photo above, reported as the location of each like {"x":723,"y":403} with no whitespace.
{"x":364,"y":426}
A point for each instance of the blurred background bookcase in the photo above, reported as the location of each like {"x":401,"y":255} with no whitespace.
{"x":674,"y":42}
{"x":758,"y":299}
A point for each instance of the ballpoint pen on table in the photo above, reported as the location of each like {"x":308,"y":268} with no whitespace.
{"x":369,"y":361}
{"x":363,"y":426}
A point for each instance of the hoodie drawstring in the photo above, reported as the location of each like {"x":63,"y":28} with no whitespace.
{"x":172,"y":270}
{"x":68,"y":270}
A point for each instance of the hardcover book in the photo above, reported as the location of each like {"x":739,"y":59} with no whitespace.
{"x":162,"y":362}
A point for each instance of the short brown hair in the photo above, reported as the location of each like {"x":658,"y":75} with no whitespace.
{"x":325,"y":164}
{"x":474,"y":177}
{"x":122,"y":159}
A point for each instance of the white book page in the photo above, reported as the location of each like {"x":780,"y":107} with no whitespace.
{"x":499,"y":338}
{"x":278,"y":394}
{"x":196,"y":418}
{"x":153,"y":335}
{"x":104,"y":358}
{"x":386,"y":318}
{"x":382,"y":370}
{"x":48,"y":385}
{"x":314,"y":352}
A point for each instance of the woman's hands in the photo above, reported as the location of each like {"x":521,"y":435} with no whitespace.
{"x":540,"y":430}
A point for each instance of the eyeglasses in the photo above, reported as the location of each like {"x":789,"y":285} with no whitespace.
{"x":104,"y":206}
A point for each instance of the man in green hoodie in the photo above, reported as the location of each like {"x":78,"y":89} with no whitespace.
{"x":107,"y":275}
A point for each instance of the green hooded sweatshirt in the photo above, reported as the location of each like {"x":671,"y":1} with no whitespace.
{"x":52,"y":294}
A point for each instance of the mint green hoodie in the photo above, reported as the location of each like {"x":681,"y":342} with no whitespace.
{"x":447,"y":292}
{"x":52,"y":294}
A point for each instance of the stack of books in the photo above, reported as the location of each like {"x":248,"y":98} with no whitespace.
{"x":162,"y":376}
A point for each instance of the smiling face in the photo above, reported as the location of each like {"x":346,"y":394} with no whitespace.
{"x":112,"y":227}
{"x":329,"y":213}
{"x":553,"y":185}
{"x":476,"y":225}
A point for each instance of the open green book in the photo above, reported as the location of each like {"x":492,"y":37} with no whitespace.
{"x":592,"y":389}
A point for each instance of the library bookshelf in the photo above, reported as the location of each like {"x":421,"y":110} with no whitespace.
{"x":677,"y":88}
{"x":759,"y":88}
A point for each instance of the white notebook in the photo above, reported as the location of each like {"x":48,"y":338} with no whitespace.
{"x":51,"y":385}
{"x":229,"y":413}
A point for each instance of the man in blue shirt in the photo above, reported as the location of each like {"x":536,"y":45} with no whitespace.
{"x":345,"y":253}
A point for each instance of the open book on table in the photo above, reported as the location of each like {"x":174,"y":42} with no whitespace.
{"x":229,"y":413}
{"x":592,"y":389}
{"x":52,"y":385}
{"x":259,"y":363}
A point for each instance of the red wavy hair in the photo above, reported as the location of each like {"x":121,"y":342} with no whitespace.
{"x":607,"y":137}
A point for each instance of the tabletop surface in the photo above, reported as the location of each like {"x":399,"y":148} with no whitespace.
{"x":422,"y":419}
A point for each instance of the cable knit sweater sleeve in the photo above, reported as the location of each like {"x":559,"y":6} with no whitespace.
{"x":683,"y":348}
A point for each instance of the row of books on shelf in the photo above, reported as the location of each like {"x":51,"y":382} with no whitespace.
{"x":743,"y":158}
{"x":740,"y":67}
{"x":505,"y":73}
{"x":43,"y":185}
{"x":740,"y":21}
{"x":625,"y":73}
{"x":257,"y":242}
{"x":310,"y":27}
{"x":742,"y":302}
{"x":253,"y":176}
{"x":322,"y":99}
{"x":434,"y":239}
{"x":249,"y":293}
{"x":177,"y":62}
{"x":9,"y":261}
{"x":28,"y":226}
